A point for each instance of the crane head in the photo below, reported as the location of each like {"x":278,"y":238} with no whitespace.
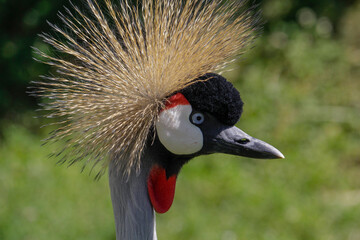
{"x":200,"y":120}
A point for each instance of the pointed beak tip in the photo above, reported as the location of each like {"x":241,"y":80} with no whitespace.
{"x":281,"y":156}
{"x":278,"y":154}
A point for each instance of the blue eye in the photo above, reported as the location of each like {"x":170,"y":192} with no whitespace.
{"x":197,"y":118}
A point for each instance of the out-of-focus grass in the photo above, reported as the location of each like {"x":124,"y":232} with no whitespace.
{"x":40,"y":200}
{"x":301,"y":92}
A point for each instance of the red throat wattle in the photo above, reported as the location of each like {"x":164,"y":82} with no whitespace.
{"x":161,"y":189}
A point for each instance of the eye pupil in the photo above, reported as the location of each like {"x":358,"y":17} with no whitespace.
{"x":197,"y":118}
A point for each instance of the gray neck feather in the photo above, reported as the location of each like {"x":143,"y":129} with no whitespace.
{"x":134,"y":215}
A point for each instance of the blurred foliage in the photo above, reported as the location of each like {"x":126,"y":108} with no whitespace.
{"x":301,"y":88}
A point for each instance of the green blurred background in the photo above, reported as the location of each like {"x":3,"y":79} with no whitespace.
{"x":301,"y":87}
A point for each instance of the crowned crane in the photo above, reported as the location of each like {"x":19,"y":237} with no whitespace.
{"x":137,"y":93}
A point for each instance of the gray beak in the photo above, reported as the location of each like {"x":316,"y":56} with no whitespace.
{"x":234,"y":141}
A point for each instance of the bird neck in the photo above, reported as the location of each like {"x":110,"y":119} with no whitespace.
{"x":133,"y":212}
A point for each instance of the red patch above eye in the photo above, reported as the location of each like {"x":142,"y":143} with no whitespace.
{"x":176,"y":99}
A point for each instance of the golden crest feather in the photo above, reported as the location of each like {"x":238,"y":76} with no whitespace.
{"x":120,"y":63}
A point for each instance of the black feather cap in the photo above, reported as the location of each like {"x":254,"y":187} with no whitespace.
{"x":216,"y":96}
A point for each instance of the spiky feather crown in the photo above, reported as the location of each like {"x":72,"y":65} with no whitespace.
{"x":119,"y":65}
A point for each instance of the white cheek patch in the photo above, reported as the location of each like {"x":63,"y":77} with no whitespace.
{"x":177,"y":133}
